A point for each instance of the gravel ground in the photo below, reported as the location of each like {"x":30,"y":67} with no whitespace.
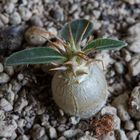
{"x":27,"y":110}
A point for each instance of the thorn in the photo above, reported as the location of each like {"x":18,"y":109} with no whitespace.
{"x":55,"y":64}
{"x":59,"y":68}
{"x":68,"y":63}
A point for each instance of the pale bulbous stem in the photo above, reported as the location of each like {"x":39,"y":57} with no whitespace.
{"x":83,"y":95}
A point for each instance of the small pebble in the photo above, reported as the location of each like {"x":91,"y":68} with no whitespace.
{"x":117,"y":122}
{"x":20,"y":77}
{"x":52,"y":133}
{"x":9,"y":7}
{"x":87,"y":137}
{"x":10,"y":95}
{"x":7,"y":128}
{"x":1,"y":24}
{"x":134,"y":65}
{"x":72,"y":133}
{"x":127,"y":56}
{"x":74,"y":120}
{"x":21,"y":123}
{"x":123,"y":113}
{"x":132,"y":135}
{"x":36,"y":21}
{"x":13,"y":1}
{"x":62,"y":138}
{"x":121,"y":103}
{"x":23,"y":137}
{"x":14,"y":136}
{"x":109,"y":110}
{"x":57,"y":13}
{"x":52,"y":30}
{"x":25,"y":13}
{"x":37,"y":131}
{"x":138,"y":125}
{"x":2,"y":115}
{"x":119,"y":67}
{"x":9,"y":70}
{"x":33,"y":35}
{"x":1,"y":67}
{"x":4,"y":18}
{"x":15,"y":18}
{"x":20,"y":104}
{"x":4,"y":78}
{"x":129,"y":125}
{"x":5,"y":105}
{"x":44,"y":137}
{"x":120,"y":135}
{"x":108,"y":136}
{"x":134,"y":103}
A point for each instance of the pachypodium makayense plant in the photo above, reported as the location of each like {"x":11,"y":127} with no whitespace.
{"x":79,"y":86}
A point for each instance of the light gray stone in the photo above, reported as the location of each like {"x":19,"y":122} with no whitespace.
{"x":127,"y":56}
{"x":108,"y":136}
{"x":134,"y":103}
{"x":132,"y":135}
{"x":123,"y":113}
{"x":117,"y":122}
{"x":106,"y":60}
{"x":2,"y":115}
{"x":5,"y":105}
{"x":20,"y":104}
{"x":119,"y":67}
{"x":131,"y":1}
{"x":25,"y":13}
{"x":134,"y":65}
{"x":15,"y":18}
{"x":74,"y":120}
{"x":7,"y":128}
{"x":121,"y":103}
{"x":129,"y":125}
{"x":87,"y":137}
{"x":109,"y":110}
{"x":1,"y":24}
{"x":52,"y":133}
{"x":9,"y":70}
{"x":120,"y":135}
{"x":10,"y":95}
{"x":23,"y":137}
{"x":138,"y":125}
{"x":4,"y":78}
{"x":71,"y":133}
{"x":62,"y":138}
{"x":9,"y":7}
{"x":1,"y":67}
{"x":44,"y":137}
{"x":35,"y":20}
{"x":14,"y":136}
{"x":134,"y":35}
{"x":52,"y":30}
{"x":13,"y":1}
{"x":4,"y":18}
{"x":37,"y":131}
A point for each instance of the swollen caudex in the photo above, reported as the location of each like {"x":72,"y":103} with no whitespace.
{"x":82,"y":95}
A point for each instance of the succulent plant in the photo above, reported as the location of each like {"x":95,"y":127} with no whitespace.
{"x":79,"y":86}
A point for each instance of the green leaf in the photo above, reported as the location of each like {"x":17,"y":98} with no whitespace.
{"x":104,"y":43}
{"x":76,"y":30}
{"x":38,"y":55}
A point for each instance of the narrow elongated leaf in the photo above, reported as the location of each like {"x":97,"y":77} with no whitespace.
{"x":101,"y":44}
{"x":39,"y":55}
{"x":76,"y":30}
